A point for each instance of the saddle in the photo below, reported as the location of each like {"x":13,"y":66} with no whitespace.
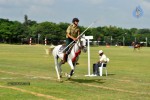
{"x":67,"y":52}
{"x":62,"y":48}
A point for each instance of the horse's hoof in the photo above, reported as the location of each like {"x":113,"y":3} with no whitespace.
{"x":69,"y":77}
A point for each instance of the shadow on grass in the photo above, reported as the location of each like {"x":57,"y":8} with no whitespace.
{"x":110,"y":74}
{"x":88,"y":80}
{"x":97,"y":79}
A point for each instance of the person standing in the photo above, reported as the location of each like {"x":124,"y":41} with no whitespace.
{"x":72,"y":34}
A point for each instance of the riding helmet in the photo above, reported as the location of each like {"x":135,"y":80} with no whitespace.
{"x":75,"y":19}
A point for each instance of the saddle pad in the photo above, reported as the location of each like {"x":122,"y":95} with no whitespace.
{"x":62,"y":47}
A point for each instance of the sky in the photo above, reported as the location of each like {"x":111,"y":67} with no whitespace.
{"x":108,"y":12}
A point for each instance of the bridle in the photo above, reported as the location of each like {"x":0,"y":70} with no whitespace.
{"x":81,"y":46}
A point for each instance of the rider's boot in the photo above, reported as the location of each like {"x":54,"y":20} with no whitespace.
{"x":64,"y":58}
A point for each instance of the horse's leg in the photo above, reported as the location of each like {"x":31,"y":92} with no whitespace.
{"x":134,"y":48}
{"x":75,"y":63}
{"x":56,"y":67}
{"x":139,"y":48}
{"x":72,"y":68}
{"x":59,"y":68}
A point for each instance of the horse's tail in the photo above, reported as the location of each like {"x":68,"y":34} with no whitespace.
{"x":51,"y":48}
{"x":49,"y":51}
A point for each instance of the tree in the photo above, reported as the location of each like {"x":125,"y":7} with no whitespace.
{"x":50,"y":30}
{"x":14,"y":32}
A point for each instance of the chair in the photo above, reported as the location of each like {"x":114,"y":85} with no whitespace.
{"x":103,"y":66}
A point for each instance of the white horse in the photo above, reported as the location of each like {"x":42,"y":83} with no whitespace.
{"x":72,"y":57}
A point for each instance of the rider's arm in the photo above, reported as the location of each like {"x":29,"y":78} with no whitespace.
{"x":68,"y":35}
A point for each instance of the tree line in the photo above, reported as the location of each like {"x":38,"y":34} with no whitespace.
{"x":15,"y":32}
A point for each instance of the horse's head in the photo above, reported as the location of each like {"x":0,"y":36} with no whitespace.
{"x":83,"y":43}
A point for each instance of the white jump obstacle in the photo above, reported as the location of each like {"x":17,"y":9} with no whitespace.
{"x":88,"y":41}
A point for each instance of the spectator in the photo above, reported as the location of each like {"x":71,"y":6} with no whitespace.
{"x":103,"y":59}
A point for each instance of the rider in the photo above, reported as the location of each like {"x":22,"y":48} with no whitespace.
{"x":72,"y":34}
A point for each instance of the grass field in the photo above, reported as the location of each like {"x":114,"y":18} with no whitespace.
{"x":128,"y":75}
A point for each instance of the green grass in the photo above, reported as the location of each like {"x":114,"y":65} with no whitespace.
{"x":128,"y":75}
